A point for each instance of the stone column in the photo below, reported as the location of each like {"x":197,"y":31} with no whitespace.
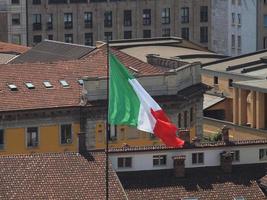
{"x":260,"y":116}
{"x":242,"y":106}
{"x":253,"y":109}
{"x":235,"y":106}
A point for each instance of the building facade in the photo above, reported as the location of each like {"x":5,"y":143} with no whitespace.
{"x":85,"y":22}
{"x":262,"y":25}
{"x":234,"y":26}
{"x":13,"y":21}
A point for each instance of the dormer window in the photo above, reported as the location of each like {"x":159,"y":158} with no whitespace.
{"x":12,"y":87}
{"x":47,"y":84}
{"x":29,"y":85}
{"x":64,"y":83}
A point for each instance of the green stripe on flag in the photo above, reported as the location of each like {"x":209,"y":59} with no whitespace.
{"x":123,"y":102}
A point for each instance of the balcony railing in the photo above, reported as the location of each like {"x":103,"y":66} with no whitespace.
{"x":36,"y":26}
{"x":49,"y":26}
{"x":68,"y":25}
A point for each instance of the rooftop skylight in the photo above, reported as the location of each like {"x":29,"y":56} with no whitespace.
{"x":12,"y":87}
{"x":64,"y":83}
{"x":29,"y":85}
{"x":47,"y":84}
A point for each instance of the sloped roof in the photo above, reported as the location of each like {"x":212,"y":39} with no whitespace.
{"x":12,"y":48}
{"x":92,"y":65}
{"x":57,"y":176}
{"x":201,"y":183}
{"x":50,"y":51}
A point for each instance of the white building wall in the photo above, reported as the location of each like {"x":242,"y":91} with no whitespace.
{"x":144,"y":160}
{"x":223,"y":27}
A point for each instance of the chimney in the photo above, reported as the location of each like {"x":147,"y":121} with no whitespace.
{"x":82,"y":142}
{"x":226,"y":161}
{"x":225,"y":134}
{"x":179,"y":166}
{"x":185,"y":135}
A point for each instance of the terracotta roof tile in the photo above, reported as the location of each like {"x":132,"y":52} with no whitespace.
{"x":93,"y":65}
{"x":208,"y":183}
{"x":12,"y":48}
{"x":57,"y":176}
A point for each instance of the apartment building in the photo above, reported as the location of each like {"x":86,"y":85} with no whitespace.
{"x":13,"y":21}
{"x":86,"y":21}
{"x":233,"y":26}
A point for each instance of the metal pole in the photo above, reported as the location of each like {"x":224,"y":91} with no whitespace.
{"x":107,"y":126}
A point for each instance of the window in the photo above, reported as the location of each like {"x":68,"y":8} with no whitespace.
{"x":127,"y":34}
{"x":68,"y":20}
{"x":197,"y":158}
{"x":233,"y":18}
{"x":127,"y":18}
{"x":215,"y":80}
{"x":108,"y":19}
{"x":125,"y":162}
{"x":14,"y":1}
{"x":64,"y":83}
{"x":108,"y":36}
{"x":185,"y":119}
{"x":50,"y":37}
{"x":16,"y":39}
{"x":233,"y":41}
{"x":203,"y":13}
{"x":32,"y":137}
{"x":88,"y":19}
{"x":185,"y":15}
{"x":68,"y":38}
{"x":37,"y":39}
{"x":159,"y":160}
{"x":230,"y":82}
{"x":16,"y":19}
{"x":166,"y":32}
{"x":36,"y":22}
{"x":191,"y":114}
{"x":88,"y":39}
{"x":236,"y":155}
{"x":30,"y":85}
{"x":185,"y":33}
{"x":204,"y":34}
{"x":47,"y":84}
{"x":49,"y":24}
{"x":166,"y":16}
{"x":146,"y":33}
{"x":146,"y":17}
{"x":179,"y":120}
{"x":233,"y":2}
{"x":265,"y":20}
{"x":12,"y":87}
{"x":263,"y":154}
{"x":239,"y":42}
{"x":66,"y":134}
{"x":239,"y":18}
{"x":36,"y":2}
{"x":2,"y":141}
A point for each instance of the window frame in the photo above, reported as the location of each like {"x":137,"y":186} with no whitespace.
{"x":124,"y":162}
{"x":146,"y":17}
{"x":263,"y":154}
{"x":127,"y":18}
{"x":67,"y":139}
{"x":197,"y":159}
{"x":2,"y":132}
{"x":36,"y":143}
{"x":185,"y":15}
{"x":159,"y":160}
{"x":166,"y":16}
{"x":108,"y":19}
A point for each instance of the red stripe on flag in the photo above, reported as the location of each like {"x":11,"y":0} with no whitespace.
{"x":165,"y":130}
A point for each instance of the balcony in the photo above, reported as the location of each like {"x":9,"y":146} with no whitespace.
{"x":36,"y":26}
{"x":49,"y":26}
{"x":88,"y":24}
{"x":68,"y":25}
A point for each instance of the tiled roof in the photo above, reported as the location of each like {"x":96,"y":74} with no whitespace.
{"x":12,"y":48}
{"x":263,"y":181}
{"x":51,"y":51}
{"x":93,"y":65}
{"x":208,"y":183}
{"x":57,"y":176}
{"x":189,"y":146}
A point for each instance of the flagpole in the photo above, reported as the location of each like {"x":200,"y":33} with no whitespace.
{"x":107,"y":126}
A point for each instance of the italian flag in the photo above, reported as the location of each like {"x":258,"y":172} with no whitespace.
{"x":130,"y":104}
